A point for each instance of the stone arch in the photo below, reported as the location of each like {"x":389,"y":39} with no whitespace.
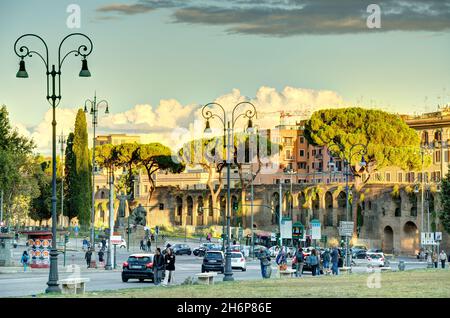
{"x":315,"y":205}
{"x":388,"y":240}
{"x":178,"y":209}
{"x":410,"y":242}
{"x":190,"y":210}
{"x":342,"y":203}
{"x":328,"y":217}
{"x":437,"y":135}
{"x":210,"y":207}
{"x":200,"y":210}
{"x":288,"y":204}
{"x":413,"y":200}
{"x":223,"y":206}
{"x":397,"y":206}
{"x":301,"y":207}
{"x":424,"y":139}
{"x":275,"y":204}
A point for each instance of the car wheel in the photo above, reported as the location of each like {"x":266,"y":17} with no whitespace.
{"x":189,"y":253}
{"x":141,"y":280}
{"x":203,"y":270}
{"x":244,"y":269}
{"x":124,"y":279}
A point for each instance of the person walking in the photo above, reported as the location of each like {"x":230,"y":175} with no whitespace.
{"x":300,"y":262}
{"x":158,"y":266}
{"x":170,"y":267}
{"x":443,"y":258}
{"x":141,"y":245}
{"x":281,"y":260}
{"x":326,"y":261}
{"x":319,"y":262}
{"x":103,"y":244}
{"x":313,"y":261}
{"x":435,"y":259}
{"x":87,"y":257}
{"x":264,"y":260}
{"x":100,"y":256}
{"x":149,"y":245}
{"x":24,"y":260}
{"x":335,"y":261}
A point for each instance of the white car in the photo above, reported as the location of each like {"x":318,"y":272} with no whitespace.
{"x":369,"y":259}
{"x":238,"y":261}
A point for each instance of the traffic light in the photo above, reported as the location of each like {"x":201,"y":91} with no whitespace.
{"x":235,"y":206}
{"x":66,"y":238}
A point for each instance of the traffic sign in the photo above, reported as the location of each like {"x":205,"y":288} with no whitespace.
{"x":298,"y":231}
{"x":346,"y":228}
{"x":438,"y":236}
{"x":315,"y":230}
{"x":427,"y":238}
{"x":286,"y":228}
{"x":116,"y":239}
{"x":273,"y":237}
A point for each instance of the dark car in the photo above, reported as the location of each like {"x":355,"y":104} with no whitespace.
{"x":201,"y":250}
{"x":214,"y":261}
{"x":138,"y":266}
{"x":180,"y":249}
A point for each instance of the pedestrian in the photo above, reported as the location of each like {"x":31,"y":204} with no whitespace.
{"x":100,"y":256}
{"x":319,"y":261}
{"x":300,"y":258}
{"x":435,"y":259}
{"x":142,"y":245}
{"x":326,"y":261}
{"x":149,"y":245}
{"x":281,"y":260}
{"x":313,"y":262}
{"x":103,"y":244}
{"x":234,"y":242}
{"x":24,"y":260}
{"x":443,"y":258}
{"x":170,"y":267}
{"x":158,"y":266}
{"x":87,"y":257}
{"x":335,"y":261}
{"x":85,"y":244}
{"x":264,"y":260}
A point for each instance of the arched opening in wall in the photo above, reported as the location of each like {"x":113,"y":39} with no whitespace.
{"x":413,"y":200}
{"x":102,"y":194}
{"x":179,"y":210}
{"x":397,"y":206}
{"x":101,"y":212}
{"x":235,"y":219}
{"x":410,"y":242}
{"x":223,"y":207}
{"x":301,"y":206}
{"x":437,"y":136}
{"x":289,"y":205}
{"x":424,"y":139}
{"x":315,"y":207}
{"x":190,"y":209}
{"x":210,"y":210}
{"x":200,"y":211}
{"x":341,"y":201}
{"x":431,"y":211}
{"x":275,"y":203}
{"x":388,"y":240}
{"x":328,"y":217}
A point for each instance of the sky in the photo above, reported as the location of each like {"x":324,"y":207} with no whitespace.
{"x":157,"y":61}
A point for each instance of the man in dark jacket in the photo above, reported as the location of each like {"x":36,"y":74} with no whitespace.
{"x":87,"y":257}
{"x":300,"y":258}
{"x":335,"y":261}
{"x":158,"y":266}
{"x":264,"y":259}
{"x":169,"y":261}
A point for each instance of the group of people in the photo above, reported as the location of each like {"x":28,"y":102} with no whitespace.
{"x":146,"y":244}
{"x":101,"y":254}
{"x":164,"y":263}
{"x":318,"y":263}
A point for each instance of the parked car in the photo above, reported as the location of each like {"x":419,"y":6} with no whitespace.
{"x":201,"y":250}
{"x":369,"y":259}
{"x":180,"y":249}
{"x":138,"y":266}
{"x":214,"y":261}
{"x":375,"y":250}
{"x":238,"y":261}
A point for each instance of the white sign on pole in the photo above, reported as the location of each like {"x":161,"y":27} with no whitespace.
{"x":346,"y":228}
{"x":273,"y":237}
{"x":438,"y":236}
{"x":286,"y":229}
{"x":427,"y":238}
{"x":116,"y":239}
{"x":316,"y":230}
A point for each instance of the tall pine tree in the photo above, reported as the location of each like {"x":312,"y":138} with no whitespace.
{"x":80,"y":184}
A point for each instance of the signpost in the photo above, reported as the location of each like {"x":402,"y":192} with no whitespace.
{"x":286,"y":229}
{"x":346,"y":229}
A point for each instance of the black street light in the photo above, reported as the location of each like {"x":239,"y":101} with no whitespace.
{"x":54,"y":98}
{"x":228,"y":134}
{"x":94,"y":106}
{"x":347,"y":157}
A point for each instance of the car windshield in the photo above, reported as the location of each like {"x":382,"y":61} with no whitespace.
{"x":139,"y":259}
{"x":214,"y":255}
{"x":376,"y":256}
{"x":236,"y":255}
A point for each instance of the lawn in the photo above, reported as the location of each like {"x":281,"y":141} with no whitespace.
{"x":414,"y":283}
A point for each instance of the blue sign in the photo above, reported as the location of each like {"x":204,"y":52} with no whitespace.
{"x":76,"y":229}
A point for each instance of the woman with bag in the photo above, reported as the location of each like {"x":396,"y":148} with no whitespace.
{"x":24,"y":260}
{"x":313,"y":262}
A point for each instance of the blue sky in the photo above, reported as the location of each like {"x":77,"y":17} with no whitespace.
{"x":193,"y":52}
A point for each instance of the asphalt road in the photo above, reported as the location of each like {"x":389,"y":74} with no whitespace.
{"x":34,"y":281}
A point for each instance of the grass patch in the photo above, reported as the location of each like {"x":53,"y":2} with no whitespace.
{"x":415,"y":283}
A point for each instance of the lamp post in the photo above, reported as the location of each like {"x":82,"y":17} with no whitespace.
{"x":228,"y":130}
{"x":108,"y":265}
{"x":94,"y":106}
{"x":53,"y":76}
{"x":347,"y":157}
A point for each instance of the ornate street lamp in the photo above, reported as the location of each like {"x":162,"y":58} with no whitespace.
{"x":94,"y":106}
{"x":228,"y":133}
{"x":53,"y":75}
{"x":347,"y":157}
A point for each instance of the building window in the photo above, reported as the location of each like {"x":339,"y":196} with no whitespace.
{"x":400,"y":177}
{"x":437,"y":176}
{"x":302,"y":140}
{"x":388,"y":177}
{"x":287,"y":181}
{"x":288,"y":155}
{"x":437,"y":156}
{"x":313,"y":152}
{"x":161,"y":206}
{"x":302,"y":153}
{"x":301,"y":165}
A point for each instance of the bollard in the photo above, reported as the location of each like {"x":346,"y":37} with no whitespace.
{"x":401,"y":265}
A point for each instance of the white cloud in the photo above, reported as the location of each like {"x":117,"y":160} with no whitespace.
{"x":170,"y":122}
